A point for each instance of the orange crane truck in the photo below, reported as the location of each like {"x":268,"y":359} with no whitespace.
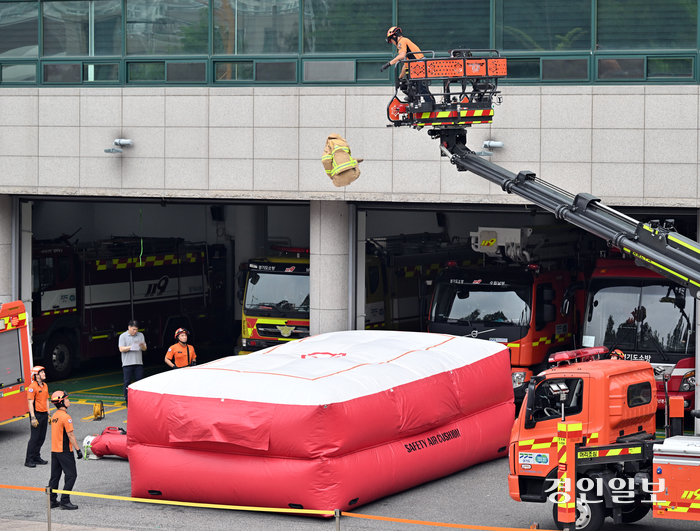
{"x":621,"y":470}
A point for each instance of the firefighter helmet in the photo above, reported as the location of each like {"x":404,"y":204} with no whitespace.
{"x":617,"y":354}
{"x":393,"y":34}
{"x":58,"y":397}
{"x":180,"y":331}
{"x":36,"y":370}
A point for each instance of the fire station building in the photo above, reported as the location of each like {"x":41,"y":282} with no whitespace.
{"x":228,"y":104}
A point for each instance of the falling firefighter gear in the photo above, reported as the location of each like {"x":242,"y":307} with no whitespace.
{"x":338,"y":163}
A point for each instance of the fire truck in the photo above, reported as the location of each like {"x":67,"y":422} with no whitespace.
{"x":15,"y":360}
{"x":648,"y":317}
{"x":514,"y":298}
{"x":274,"y":292}
{"x":84,"y":294}
{"x":617,"y":469}
{"x":654,"y":245}
{"x":399,"y":271}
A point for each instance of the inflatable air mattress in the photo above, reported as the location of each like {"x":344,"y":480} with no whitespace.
{"x":329,"y":422}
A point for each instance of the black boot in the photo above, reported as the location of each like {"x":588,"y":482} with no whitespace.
{"x":68,"y":506}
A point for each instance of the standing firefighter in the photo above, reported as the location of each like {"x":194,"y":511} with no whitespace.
{"x":62,"y":444}
{"x":38,"y":398}
{"x":180,"y":354}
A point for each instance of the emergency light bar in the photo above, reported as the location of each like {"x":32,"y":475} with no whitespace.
{"x":581,"y":354}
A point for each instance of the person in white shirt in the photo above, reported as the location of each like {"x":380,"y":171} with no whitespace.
{"x":131,"y":345}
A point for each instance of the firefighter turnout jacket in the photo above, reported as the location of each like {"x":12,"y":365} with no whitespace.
{"x":338,"y":162}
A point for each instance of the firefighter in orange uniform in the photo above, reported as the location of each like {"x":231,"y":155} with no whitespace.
{"x":62,"y":444}
{"x":406,"y":49}
{"x":180,"y":354}
{"x":38,"y":398}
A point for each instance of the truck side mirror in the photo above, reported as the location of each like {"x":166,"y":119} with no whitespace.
{"x":530,"y":405}
{"x":240,"y":295}
{"x":549,"y":295}
{"x":569,"y":294}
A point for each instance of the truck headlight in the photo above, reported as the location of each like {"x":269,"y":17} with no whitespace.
{"x":518,"y":379}
{"x":688,"y":383}
{"x":244,"y":342}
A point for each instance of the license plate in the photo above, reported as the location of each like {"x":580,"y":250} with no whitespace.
{"x":587,"y":454}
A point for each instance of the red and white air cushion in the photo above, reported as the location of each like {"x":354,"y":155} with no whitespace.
{"x":333,"y":421}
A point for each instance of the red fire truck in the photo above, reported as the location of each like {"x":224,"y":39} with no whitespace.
{"x":85,"y":294}
{"x":648,"y":317}
{"x":15,"y":360}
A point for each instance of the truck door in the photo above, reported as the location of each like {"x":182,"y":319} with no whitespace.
{"x":538,"y":422}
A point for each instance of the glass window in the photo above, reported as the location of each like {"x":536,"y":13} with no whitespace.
{"x":146,"y":71}
{"x":276,"y":71}
{"x":63,"y":73}
{"x":19,"y":29}
{"x":547,"y":399}
{"x":482,"y":303}
{"x":24,"y":73}
{"x":565,"y":69}
{"x":101,"y":72}
{"x":255,"y":27}
{"x":648,"y":24}
{"x":369,"y":71}
{"x":467,"y":26}
{"x":234,"y":71}
{"x":639,"y":394}
{"x":523,"y":69}
{"x":187,"y":72}
{"x":666,"y":318}
{"x":348,"y":27}
{"x":612,"y":68}
{"x":167,"y":27}
{"x":278,"y":295}
{"x":544,"y":25}
{"x":610,"y":315}
{"x":89,"y":28}
{"x":666,"y":67}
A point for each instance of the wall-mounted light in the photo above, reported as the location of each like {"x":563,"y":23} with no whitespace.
{"x":120,"y":142}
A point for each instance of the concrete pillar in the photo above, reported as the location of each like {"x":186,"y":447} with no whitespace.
{"x":328,"y":277}
{"x":5,"y":248}
{"x":250,"y":238}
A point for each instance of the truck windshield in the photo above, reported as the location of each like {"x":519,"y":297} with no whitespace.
{"x":482,"y":303}
{"x":648,"y":319}
{"x":277,"y":294}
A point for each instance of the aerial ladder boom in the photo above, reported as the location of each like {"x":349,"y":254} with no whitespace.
{"x":469,"y":91}
{"x":653,"y":245}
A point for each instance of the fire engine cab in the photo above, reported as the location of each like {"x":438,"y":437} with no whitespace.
{"x":15,"y":359}
{"x":618,"y":464}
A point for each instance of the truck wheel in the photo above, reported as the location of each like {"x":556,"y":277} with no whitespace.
{"x":59,"y":357}
{"x":590,"y":514}
{"x":634,"y":513}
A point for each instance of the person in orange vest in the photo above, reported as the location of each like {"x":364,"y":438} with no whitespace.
{"x":62,"y":444}
{"x":406,"y":49}
{"x":180,"y":354}
{"x":38,"y":398}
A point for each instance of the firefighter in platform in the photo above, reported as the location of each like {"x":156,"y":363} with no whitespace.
{"x":180,"y":354}
{"x":406,"y":49}
{"x":38,"y":398}
{"x":62,"y":444}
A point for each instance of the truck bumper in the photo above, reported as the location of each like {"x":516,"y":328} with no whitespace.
{"x":513,"y":487}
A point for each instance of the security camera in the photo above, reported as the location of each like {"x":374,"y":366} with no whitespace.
{"x":123,"y":142}
{"x":113,"y":150}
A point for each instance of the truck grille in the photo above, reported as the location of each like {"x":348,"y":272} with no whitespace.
{"x":279,"y":331}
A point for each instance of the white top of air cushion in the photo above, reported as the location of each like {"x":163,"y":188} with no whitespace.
{"x":324,"y":369}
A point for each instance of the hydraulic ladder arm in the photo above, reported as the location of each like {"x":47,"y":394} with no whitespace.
{"x":655,"y":246}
